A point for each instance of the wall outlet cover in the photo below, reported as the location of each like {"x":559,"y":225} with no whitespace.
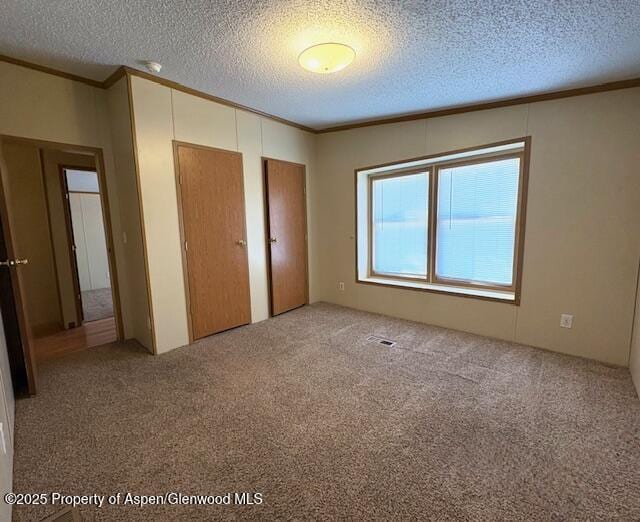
{"x":566,"y":321}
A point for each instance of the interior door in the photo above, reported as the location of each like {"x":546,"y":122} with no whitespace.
{"x":213,"y":228}
{"x":12,"y":299}
{"x":287,"y":234}
{"x":73,"y":249}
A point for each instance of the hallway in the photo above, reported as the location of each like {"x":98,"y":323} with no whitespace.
{"x":97,"y":304}
{"x":90,"y":334}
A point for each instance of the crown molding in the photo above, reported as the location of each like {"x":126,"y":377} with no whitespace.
{"x":49,"y":70}
{"x":194,"y":92}
{"x":123,"y":70}
{"x":120,"y":72}
{"x":507,"y":102}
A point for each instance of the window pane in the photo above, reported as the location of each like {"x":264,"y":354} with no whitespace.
{"x":82,"y":181}
{"x":476,"y":222}
{"x":400,"y":209}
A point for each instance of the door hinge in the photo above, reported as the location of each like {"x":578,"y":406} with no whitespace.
{"x":186,"y":247}
{"x":180,"y":179}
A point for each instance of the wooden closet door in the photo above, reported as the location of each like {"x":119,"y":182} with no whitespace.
{"x":287,"y":234}
{"x":214,"y":233}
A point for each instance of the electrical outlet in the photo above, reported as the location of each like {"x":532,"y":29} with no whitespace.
{"x":341,"y":286}
{"x":566,"y":321}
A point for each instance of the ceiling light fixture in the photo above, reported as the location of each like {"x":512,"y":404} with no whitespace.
{"x":326,"y":58}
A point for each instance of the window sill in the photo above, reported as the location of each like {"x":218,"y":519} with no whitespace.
{"x":478,"y":293}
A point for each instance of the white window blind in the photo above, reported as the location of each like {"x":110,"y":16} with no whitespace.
{"x":450,"y":223}
{"x":476,"y":221}
{"x":400,"y":216}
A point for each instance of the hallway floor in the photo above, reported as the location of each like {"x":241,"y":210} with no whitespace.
{"x":88,"y":335}
{"x":97,"y":304}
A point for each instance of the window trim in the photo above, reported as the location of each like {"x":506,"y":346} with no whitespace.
{"x":469,"y":283}
{"x":431,"y":282}
{"x":371,"y":273}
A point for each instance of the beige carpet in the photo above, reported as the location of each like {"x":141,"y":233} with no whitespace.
{"x":324,"y":424}
{"x":97,"y":304}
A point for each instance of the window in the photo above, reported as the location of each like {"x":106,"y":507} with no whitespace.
{"x":476,"y":224}
{"x":450,"y":223}
{"x":399,"y":227}
{"x":82,"y":180}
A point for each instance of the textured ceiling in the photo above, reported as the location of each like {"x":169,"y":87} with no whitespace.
{"x":411,"y":55}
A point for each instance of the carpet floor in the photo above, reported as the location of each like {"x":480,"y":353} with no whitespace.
{"x":325,"y":425}
{"x":97,"y":304}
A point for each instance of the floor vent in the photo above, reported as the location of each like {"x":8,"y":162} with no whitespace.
{"x":381,"y":340}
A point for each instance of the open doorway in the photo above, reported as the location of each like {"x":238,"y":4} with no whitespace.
{"x":58,"y":213}
{"x":87,"y":240}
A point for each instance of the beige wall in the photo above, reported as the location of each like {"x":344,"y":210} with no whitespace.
{"x":133,"y":278}
{"x":26,"y":197}
{"x":162,"y":115}
{"x":582,"y":240}
{"x":51,"y":159}
{"x":634,"y":356}
{"x":45,"y":107}
{"x":581,"y":248}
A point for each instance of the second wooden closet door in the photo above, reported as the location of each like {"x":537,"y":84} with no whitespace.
{"x":215,"y":251}
{"x":287,"y":229}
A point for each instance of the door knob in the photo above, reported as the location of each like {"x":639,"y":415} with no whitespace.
{"x":241,"y":242}
{"x":14,"y":262}
{"x":273,"y":240}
